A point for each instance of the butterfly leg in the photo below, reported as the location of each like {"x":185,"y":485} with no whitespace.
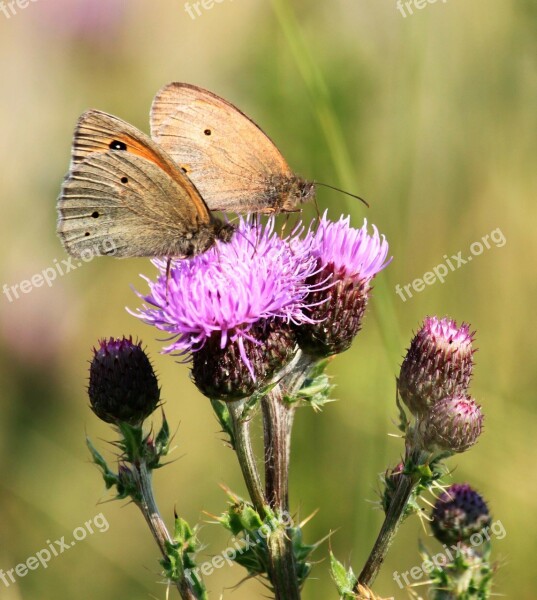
{"x":168,"y":272}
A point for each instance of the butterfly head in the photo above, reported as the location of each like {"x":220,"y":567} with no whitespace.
{"x":306,"y":190}
{"x":223,"y":231}
{"x":294,"y":191}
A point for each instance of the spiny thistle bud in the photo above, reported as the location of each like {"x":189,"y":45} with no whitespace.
{"x":452,"y":424}
{"x":221,"y":374}
{"x":438,"y":363}
{"x":459,"y":513}
{"x":347,"y":260}
{"x":231,"y":308}
{"x":123,"y":386}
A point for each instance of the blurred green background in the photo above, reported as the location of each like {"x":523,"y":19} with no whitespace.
{"x":431,"y":117}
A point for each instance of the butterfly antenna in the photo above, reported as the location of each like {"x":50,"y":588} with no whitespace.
{"x":343,"y":192}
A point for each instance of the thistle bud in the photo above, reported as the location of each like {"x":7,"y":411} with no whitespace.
{"x":221,"y":373}
{"x":438,"y":363}
{"x":123,"y":386}
{"x":452,"y":424}
{"x":459,"y":513}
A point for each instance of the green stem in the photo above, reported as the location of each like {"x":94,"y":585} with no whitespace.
{"x":396,"y":511}
{"x":156,"y":524}
{"x":246,"y":456}
{"x":392,"y":521}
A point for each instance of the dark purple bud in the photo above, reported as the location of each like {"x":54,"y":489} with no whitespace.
{"x":123,"y":386}
{"x":459,"y":513}
{"x":220,"y":373}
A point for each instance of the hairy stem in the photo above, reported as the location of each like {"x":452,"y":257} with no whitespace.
{"x":396,"y":511}
{"x":157,"y":526}
{"x":246,"y":456}
{"x":392,"y":521}
{"x":278,"y":422}
{"x":278,"y":417}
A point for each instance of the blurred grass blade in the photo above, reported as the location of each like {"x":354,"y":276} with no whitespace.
{"x":384,"y":311}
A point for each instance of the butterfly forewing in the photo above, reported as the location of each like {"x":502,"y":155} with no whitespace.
{"x":121,"y":199}
{"x":97,"y":131}
{"x":232,"y":162}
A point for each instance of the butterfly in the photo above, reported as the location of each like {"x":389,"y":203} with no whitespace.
{"x":123,"y":188}
{"x":233,"y":163}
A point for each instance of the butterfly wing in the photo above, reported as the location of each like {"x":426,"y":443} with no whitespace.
{"x":232,"y":162}
{"x":97,"y":131}
{"x":126,"y":202}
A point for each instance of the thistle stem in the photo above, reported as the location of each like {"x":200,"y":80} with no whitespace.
{"x":278,"y":420}
{"x":392,"y":521}
{"x":246,"y":456}
{"x":396,"y":512}
{"x":278,"y":416}
{"x":157,"y":526}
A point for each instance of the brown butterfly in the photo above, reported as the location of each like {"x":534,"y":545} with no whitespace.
{"x":123,"y":188}
{"x":232,"y":162}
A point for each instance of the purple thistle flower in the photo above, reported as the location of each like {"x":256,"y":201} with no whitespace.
{"x":349,"y":252}
{"x":221,"y":298}
{"x":347,"y":260}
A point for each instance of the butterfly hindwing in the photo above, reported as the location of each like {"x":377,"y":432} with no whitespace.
{"x":122,"y":199}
